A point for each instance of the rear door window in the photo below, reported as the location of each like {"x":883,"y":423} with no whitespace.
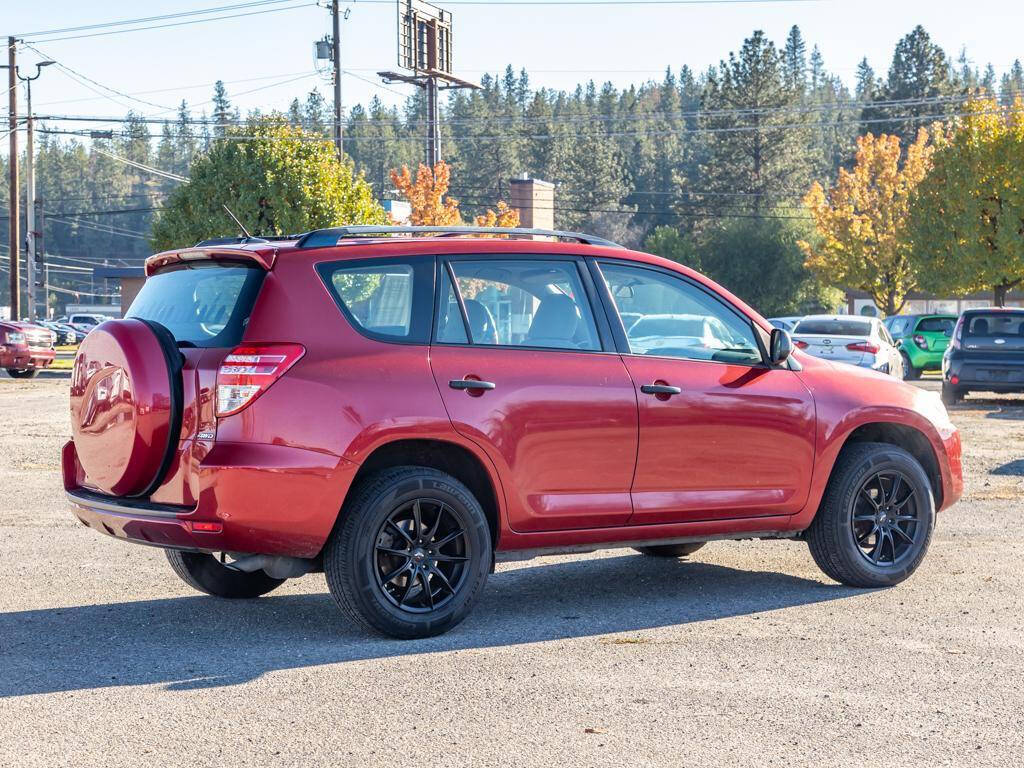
{"x":385,"y":299}
{"x":528,"y":303}
{"x":203,"y":303}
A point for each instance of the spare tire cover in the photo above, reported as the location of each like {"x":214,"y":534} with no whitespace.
{"x":125,"y":405}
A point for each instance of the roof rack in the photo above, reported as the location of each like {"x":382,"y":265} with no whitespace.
{"x":319,"y":238}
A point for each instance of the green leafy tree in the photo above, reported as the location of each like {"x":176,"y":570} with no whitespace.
{"x":670,"y":243}
{"x":761,"y":262}
{"x":284,"y":180}
{"x":966,"y":220}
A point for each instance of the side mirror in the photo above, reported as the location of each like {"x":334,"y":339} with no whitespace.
{"x":780,"y":347}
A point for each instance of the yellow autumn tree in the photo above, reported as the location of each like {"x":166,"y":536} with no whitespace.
{"x":431,"y":207}
{"x":861,"y":221}
{"x":503,"y":217}
{"x":427,"y":195}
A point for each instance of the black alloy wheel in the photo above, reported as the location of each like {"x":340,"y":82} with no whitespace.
{"x":876,"y":517}
{"x":421,"y":553}
{"x":884,"y":519}
{"x":410,"y":553}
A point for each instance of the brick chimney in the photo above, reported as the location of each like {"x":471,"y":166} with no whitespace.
{"x":535,"y":201}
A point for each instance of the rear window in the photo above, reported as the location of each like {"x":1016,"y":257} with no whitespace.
{"x":385,"y":299}
{"x":203,"y":304}
{"x":833,"y":327}
{"x":994,"y":324}
{"x":936,"y":325}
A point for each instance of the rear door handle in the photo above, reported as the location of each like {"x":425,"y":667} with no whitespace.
{"x":660,"y":389}
{"x":470,"y":384}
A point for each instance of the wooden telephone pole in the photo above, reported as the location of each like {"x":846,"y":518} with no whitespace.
{"x":15,"y":235}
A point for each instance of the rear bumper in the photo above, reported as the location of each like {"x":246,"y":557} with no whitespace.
{"x":986,"y":376}
{"x":260,"y":499}
{"x":925,"y":361}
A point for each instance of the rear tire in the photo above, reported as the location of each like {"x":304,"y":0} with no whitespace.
{"x":27,"y":373}
{"x":671,"y":550}
{"x":910,"y":373}
{"x":410,"y":553}
{"x":951,"y":395}
{"x":205,"y":573}
{"x":876,"y":518}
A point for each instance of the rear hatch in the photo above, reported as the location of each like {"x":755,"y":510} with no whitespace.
{"x":143,"y":413}
{"x":992,"y":347}
{"x":841,"y":340}
{"x":933,"y":334}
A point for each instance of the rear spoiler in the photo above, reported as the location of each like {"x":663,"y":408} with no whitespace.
{"x":262,"y":258}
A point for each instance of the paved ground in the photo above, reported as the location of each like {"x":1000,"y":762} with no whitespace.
{"x":744,"y":656}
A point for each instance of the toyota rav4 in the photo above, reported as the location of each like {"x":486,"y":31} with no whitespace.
{"x":400,"y":412}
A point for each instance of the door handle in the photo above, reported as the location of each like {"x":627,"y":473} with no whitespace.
{"x":470,"y":384}
{"x":660,"y":389}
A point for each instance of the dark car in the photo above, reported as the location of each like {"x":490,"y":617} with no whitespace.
{"x":986,"y":354}
{"x":399,"y":412}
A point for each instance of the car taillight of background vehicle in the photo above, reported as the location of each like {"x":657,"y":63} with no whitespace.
{"x":802,"y":344}
{"x":921,"y":341}
{"x":249,"y":370}
{"x":957,"y":334}
{"x":863,"y":346}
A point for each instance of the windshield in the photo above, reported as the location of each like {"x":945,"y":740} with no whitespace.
{"x":203,"y":304}
{"x":833,"y":327}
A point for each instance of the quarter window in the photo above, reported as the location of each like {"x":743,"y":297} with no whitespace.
{"x":665,"y":316}
{"x":523,"y":303}
{"x":389,"y":300}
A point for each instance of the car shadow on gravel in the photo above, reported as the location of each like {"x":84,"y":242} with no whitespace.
{"x":200,"y":642}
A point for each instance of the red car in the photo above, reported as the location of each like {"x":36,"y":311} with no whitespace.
{"x":25,"y":348}
{"x":400,"y":412}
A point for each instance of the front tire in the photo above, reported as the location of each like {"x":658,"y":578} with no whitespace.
{"x":205,"y":573}
{"x":671,"y":550}
{"x":411,"y":553}
{"x":876,"y":518}
{"x":25,"y":373}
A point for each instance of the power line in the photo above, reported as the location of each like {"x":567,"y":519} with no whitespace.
{"x":140,"y":166}
{"x":175,"y":24}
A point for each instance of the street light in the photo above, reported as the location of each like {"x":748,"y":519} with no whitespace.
{"x":30,"y":189}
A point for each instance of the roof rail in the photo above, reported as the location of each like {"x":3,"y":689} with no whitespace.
{"x":319,"y":238}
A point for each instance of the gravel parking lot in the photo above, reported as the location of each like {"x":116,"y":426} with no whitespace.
{"x":745,"y":655}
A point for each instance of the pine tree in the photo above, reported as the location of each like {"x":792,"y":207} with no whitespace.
{"x":222,"y":113}
{"x":794,"y":61}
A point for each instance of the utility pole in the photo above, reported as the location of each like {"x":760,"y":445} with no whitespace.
{"x":425,"y":48}
{"x":31,"y":234}
{"x":15,"y":237}
{"x":336,"y":54}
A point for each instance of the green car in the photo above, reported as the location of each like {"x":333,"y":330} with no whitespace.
{"x":921,"y":339}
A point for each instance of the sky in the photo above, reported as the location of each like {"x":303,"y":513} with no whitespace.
{"x":266,"y":58}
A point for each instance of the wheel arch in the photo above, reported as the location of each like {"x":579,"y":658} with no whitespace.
{"x":909,"y":438}
{"x":446,"y":456}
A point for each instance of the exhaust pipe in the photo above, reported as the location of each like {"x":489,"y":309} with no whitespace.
{"x":275,"y":566}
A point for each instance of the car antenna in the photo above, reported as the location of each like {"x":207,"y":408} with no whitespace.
{"x":240,"y":225}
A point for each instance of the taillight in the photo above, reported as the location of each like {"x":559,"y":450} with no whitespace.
{"x":863,"y":346}
{"x":957,"y":334}
{"x":921,"y":341}
{"x":249,"y":370}
{"x":802,"y":344}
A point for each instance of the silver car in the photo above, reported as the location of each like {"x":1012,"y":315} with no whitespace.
{"x":863,"y":341}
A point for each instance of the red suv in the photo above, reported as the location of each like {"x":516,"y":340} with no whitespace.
{"x":400,"y":412}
